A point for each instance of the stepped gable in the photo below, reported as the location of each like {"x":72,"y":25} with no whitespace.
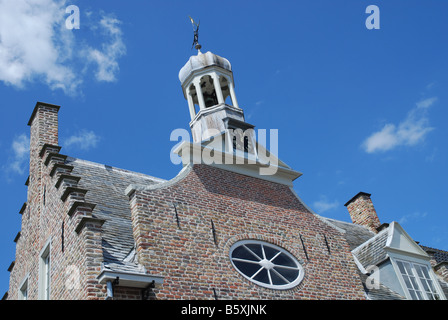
{"x":106,"y":189}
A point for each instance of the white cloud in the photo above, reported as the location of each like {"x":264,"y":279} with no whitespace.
{"x":106,"y":59}
{"x":35,"y":45}
{"x":411,"y":131}
{"x":84,"y":140}
{"x":412,"y":217}
{"x":30,"y":45}
{"x":325,"y":205}
{"x":426,"y":103}
{"x":20,"y":148}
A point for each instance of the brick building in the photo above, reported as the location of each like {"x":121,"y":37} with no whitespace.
{"x":228,"y":226}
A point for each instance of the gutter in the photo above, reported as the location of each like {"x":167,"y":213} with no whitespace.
{"x":113,"y":279}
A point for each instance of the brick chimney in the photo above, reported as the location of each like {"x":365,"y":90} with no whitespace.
{"x":362,"y":211}
{"x":44,"y":125}
{"x":43,"y":134}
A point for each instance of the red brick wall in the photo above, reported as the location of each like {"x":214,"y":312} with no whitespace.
{"x":241,"y":207}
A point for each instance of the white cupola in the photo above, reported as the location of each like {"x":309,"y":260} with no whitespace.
{"x":221,"y":137}
{"x":208,"y":85}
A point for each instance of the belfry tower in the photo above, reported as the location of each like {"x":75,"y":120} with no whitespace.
{"x":208,"y":85}
{"x":221,"y":136}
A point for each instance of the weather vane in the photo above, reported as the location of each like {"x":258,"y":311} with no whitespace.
{"x":196,"y":44}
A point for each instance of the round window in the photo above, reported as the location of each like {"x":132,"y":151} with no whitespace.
{"x":266,"y":264}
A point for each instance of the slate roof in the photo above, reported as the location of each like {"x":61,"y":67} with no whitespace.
{"x":355,"y":234}
{"x":372,"y":252}
{"x":106,"y":188}
{"x":439,"y":255}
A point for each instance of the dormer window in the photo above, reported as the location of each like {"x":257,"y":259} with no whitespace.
{"x":417,"y":280}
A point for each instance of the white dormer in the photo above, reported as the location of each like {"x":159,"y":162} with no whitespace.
{"x":403,"y":266}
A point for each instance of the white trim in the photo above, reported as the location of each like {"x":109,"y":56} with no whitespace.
{"x":23,"y":285}
{"x":129,"y":279}
{"x":359,"y":264}
{"x":395,"y":231}
{"x":44,"y":280}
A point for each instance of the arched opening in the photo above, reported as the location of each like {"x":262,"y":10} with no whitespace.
{"x":194,"y":98}
{"x":208,"y":91}
{"x":225,"y":90}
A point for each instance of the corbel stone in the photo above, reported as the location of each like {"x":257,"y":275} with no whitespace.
{"x":17,"y":237}
{"x":64,"y":178}
{"x":88,"y":220}
{"x":59,"y":167}
{"x":50,"y":148}
{"x":22,"y":210}
{"x":70,"y":191}
{"x":55,"y":157}
{"x":85,"y":207}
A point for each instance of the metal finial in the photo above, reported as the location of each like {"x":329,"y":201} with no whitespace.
{"x":196,"y":44}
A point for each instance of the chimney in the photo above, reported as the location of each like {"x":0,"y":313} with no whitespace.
{"x":44,"y":125}
{"x":362,"y":211}
{"x":43,"y":136}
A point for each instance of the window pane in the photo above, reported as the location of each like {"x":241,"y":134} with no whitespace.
{"x":255,"y":248}
{"x":262,"y":276}
{"x":276,"y":279}
{"x":248,"y":269}
{"x":425,"y":271}
{"x":425,"y":285}
{"x":242,"y":253}
{"x":419,"y":295}
{"x":288,"y":274}
{"x":419,"y":271}
{"x":401,"y":267}
{"x":269,"y":252}
{"x":414,"y":282}
{"x":431,"y":286}
{"x":284,"y":260}
{"x":407,"y":266}
{"x":408,"y":282}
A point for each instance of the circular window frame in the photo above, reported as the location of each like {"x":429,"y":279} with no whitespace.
{"x":266,"y":264}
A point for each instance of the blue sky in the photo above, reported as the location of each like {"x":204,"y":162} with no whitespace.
{"x":356,"y":109}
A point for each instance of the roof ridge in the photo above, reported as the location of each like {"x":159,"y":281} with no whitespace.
{"x":350,"y":223}
{"x":116,"y":169}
